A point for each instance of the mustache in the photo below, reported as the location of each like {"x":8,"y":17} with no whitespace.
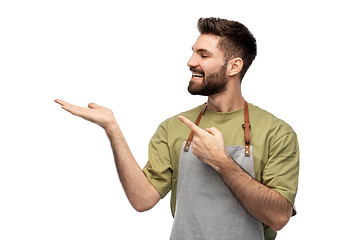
{"x":195,"y":70}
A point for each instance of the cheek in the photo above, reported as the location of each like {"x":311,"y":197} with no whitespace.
{"x":212,"y":68}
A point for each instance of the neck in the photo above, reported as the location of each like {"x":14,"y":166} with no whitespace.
{"x":227,"y":101}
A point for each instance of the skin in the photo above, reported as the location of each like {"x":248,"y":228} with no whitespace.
{"x":263,"y":203}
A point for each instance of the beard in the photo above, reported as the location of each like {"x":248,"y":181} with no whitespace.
{"x":214,"y":83}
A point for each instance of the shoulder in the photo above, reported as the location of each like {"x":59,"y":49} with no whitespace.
{"x":261,"y":116}
{"x":264,"y":121}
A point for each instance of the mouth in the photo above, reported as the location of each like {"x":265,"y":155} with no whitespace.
{"x":196,"y":74}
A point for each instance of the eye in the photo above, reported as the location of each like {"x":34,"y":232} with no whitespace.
{"x":204,"y":56}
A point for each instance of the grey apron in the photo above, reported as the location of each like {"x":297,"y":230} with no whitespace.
{"x":205,"y":207}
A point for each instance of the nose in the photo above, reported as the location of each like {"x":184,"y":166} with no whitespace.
{"x":192,"y":62}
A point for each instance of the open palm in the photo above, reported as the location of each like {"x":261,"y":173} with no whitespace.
{"x":99,"y":115}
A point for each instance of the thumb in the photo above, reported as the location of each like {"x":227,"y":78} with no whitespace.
{"x":213,"y":131}
{"x":93,"y":105}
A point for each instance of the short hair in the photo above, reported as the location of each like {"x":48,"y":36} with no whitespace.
{"x":236,"y":40}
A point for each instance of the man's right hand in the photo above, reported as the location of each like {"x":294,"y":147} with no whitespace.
{"x":99,"y":115}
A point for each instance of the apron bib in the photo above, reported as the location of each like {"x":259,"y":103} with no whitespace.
{"x":205,"y":206}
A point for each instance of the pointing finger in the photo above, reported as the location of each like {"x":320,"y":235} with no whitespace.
{"x":191,"y":125}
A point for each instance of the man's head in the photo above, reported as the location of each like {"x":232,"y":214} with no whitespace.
{"x":224,"y":48}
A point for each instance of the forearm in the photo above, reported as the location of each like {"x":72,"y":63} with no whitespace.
{"x":141,"y":194}
{"x":262,"y":202}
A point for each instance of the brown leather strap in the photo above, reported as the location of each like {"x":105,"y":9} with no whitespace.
{"x":191,"y":136}
{"x":246,"y":127}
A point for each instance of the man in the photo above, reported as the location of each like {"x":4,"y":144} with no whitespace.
{"x":235,"y":175}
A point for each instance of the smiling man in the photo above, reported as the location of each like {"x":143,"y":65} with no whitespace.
{"x":232,"y":168}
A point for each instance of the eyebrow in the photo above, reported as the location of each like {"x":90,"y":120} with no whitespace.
{"x":203,"y":50}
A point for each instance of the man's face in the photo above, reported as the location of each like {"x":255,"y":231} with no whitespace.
{"x":209,"y":72}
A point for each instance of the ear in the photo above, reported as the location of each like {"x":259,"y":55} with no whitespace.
{"x":235,"y":65}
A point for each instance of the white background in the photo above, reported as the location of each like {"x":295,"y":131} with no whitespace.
{"x":57,"y":176}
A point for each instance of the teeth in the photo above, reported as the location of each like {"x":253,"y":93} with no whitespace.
{"x":197,"y":75}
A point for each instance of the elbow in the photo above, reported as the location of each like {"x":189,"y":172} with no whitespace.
{"x":139,"y":207}
{"x":140,"y":210}
{"x":145,"y":201}
{"x":279,"y":223}
{"x":145,"y":204}
{"x":277,"y":226}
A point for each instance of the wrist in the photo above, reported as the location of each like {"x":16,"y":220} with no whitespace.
{"x":224,"y":162}
{"x":112,"y":128}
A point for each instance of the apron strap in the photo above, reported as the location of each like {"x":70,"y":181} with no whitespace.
{"x":246,"y":127}
{"x":191,"y":136}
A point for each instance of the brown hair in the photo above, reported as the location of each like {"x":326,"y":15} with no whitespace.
{"x":236,"y":40}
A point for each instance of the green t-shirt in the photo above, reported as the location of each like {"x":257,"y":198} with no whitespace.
{"x":274,"y":143}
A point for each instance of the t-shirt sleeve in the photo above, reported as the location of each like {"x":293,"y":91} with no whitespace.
{"x":158,"y":169}
{"x":281,"y":171}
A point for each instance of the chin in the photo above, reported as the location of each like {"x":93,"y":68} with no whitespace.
{"x":195,"y":90}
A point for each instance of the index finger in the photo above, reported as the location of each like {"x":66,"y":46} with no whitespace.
{"x":191,"y":125}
